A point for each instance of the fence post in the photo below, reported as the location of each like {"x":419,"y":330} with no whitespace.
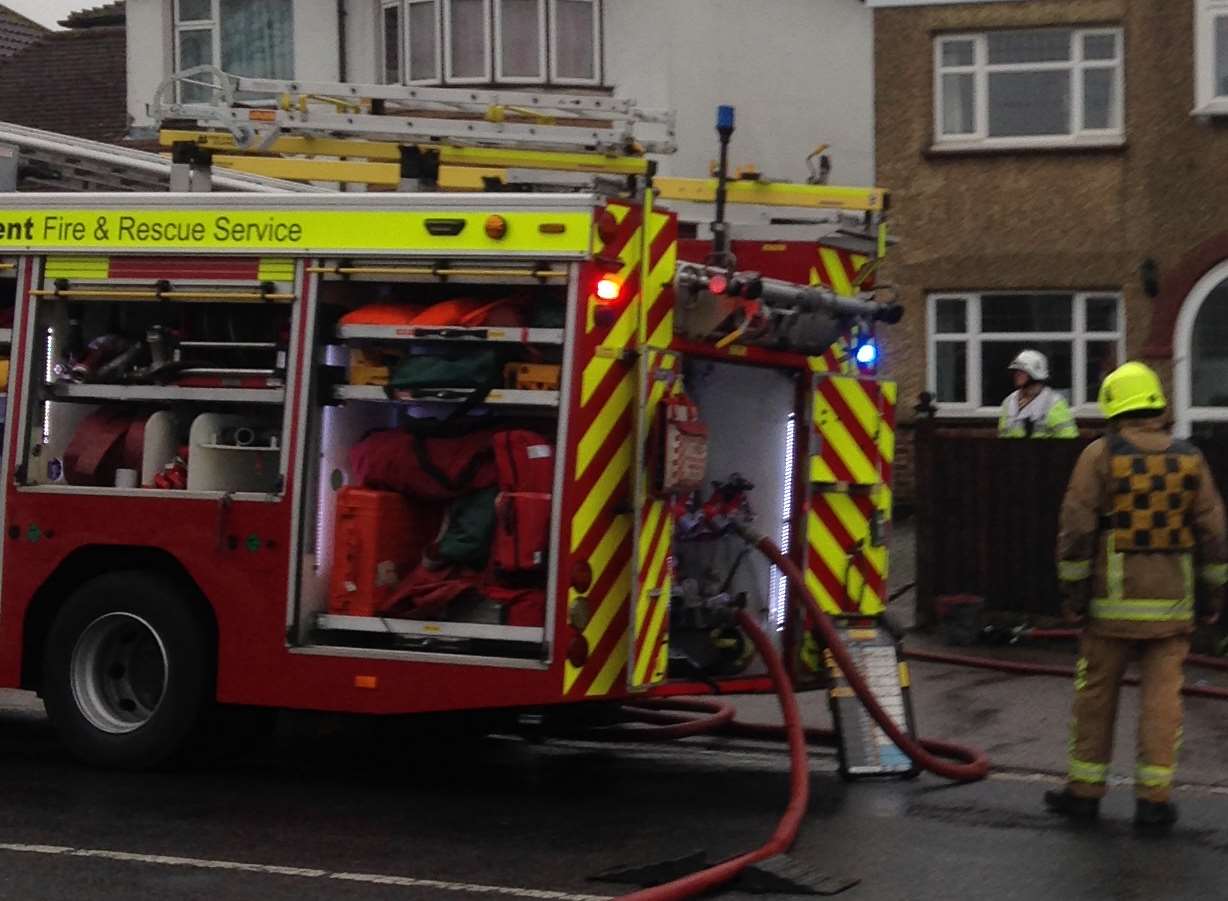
{"x":924,"y":428}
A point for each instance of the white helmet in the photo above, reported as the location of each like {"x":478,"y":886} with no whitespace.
{"x":1033,"y":362}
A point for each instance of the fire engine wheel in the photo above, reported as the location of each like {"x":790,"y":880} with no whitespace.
{"x":126,"y":671}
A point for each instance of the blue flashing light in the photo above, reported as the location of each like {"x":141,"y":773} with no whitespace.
{"x":724,"y":117}
{"x":867,"y":354}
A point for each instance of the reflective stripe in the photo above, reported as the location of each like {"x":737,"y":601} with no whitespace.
{"x":1074,"y":570}
{"x":1085,"y":771}
{"x":1081,"y":674}
{"x":1153,"y":776}
{"x":1114,"y":571}
{"x":1157,"y":610}
{"x":1214,"y":575}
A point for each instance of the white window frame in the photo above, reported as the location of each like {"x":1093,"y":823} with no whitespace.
{"x":440,"y":42}
{"x":401,"y":39}
{"x":973,"y":337}
{"x":1207,"y":101}
{"x":542,"y":56}
{"x":486,"y":76}
{"x":598,"y":53}
{"x":548,"y":46}
{"x":1077,"y":136}
{"x":213,"y":25}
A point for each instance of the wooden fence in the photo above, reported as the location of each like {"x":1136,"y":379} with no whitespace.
{"x":987,"y":512}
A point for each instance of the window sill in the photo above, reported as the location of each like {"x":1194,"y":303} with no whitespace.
{"x":997,"y":148}
{"x":1213,"y":108}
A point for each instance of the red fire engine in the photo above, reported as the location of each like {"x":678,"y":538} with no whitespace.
{"x":409,"y":452}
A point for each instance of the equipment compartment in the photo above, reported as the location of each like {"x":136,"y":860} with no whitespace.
{"x":160,"y":373}
{"x":437,"y":419}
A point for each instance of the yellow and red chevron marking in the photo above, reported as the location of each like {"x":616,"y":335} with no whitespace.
{"x":854,"y":422}
{"x":845,"y":570}
{"x":658,"y":271}
{"x":836,"y":360}
{"x":837,"y":269}
{"x":598,"y":496}
{"x":662,"y":377}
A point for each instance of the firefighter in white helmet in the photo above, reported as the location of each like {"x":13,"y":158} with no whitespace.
{"x":1033,"y":409}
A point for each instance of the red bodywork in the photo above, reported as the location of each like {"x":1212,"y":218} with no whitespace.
{"x":241,"y":554}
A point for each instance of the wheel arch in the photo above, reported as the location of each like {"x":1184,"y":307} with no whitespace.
{"x":87,"y":563}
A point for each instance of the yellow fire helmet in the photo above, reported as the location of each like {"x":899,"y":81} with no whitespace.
{"x":1131,"y":386}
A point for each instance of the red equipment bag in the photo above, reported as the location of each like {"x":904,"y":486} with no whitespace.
{"x":431,"y":468}
{"x":522,"y":531}
{"x":524,"y":460}
{"x":525,"y":464}
{"x":106,"y":440}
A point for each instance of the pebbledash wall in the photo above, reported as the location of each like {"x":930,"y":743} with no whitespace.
{"x":1128,"y":204}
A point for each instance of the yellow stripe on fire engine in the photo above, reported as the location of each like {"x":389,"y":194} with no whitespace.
{"x":841,"y":568}
{"x":614,"y":409}
{"x":605,"y":607}
{"x":833,"y":266}
{"x":277,"y":269}
{"x":569,"y":235}
{"x":77,"y":268}
{"x":837,"y":438}
{"x":592,"y":505}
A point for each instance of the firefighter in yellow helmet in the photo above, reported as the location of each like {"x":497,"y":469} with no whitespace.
{"x":1140,"y":523}
{"x":1033,"y":409}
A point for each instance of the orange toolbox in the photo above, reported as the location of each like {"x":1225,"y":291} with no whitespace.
{"x":380,"y":537}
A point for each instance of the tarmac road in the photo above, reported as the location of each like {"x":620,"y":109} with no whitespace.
{"x":357,"y":814}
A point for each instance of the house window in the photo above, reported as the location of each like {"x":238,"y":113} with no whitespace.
{"x":491,"y":41}
{"x":1050,"y":86}
{"x":974,"y":337}
{"x":1211,"y":57}
{"x":242,"y":37}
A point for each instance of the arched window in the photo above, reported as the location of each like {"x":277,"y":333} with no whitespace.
{"x":1209,"y":350}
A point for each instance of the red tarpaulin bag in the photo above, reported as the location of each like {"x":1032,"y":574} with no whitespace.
{"x":431,"y":468}
{"x":105,"y":441}
{"x":521,"y":606}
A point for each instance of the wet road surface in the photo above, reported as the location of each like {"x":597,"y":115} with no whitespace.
{"x":359,"y":813}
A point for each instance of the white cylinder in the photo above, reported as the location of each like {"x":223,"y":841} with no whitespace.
{"x":125,"y":478}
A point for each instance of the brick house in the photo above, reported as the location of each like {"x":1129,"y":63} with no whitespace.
{"x":17,"y":32}
{"x":1059,"y":172}
{"x":71,"y":81}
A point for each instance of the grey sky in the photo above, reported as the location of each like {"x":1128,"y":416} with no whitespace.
{"x":46,"y":12}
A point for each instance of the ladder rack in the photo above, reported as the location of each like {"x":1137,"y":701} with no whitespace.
{"x":258,"y":111}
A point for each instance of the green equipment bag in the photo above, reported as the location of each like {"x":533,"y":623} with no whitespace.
{"x":468,"y":530}
{"x":466,"y":368}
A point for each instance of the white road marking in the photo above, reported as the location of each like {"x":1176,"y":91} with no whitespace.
{"x":506,"y":891}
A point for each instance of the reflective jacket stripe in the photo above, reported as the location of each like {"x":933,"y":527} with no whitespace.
{"x":1074,"y":570}
{"x":1157,"y":610}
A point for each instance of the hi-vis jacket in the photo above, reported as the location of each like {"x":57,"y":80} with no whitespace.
{"x":1142,"y":519}
{"x":1047,"y":416}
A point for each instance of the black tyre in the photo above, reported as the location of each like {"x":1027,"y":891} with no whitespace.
{"x":127,"y":671}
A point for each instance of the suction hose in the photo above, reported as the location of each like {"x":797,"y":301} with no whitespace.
{"x":928,"y":755}
{"x":972,"y":765}
{"x":799,"y":788}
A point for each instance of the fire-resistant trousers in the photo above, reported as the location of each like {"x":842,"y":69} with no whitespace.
{"x":1102,"y":661}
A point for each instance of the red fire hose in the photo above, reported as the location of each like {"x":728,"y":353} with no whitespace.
{"x":926,"y":754}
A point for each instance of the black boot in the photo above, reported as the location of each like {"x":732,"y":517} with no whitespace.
{"x":1072,"y":806}
{"x":1154,"y":815}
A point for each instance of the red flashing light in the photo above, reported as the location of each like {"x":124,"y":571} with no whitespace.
{"x":718,"y":284}
{"x":608,"y":289}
